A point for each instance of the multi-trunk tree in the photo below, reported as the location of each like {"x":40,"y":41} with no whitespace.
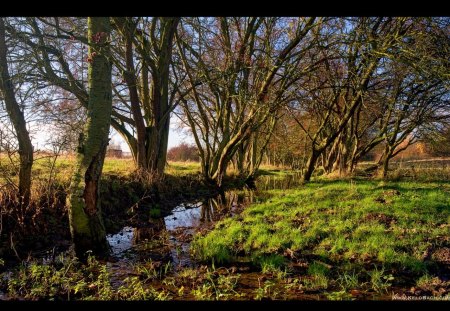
{"x":144,"y":60}
{"x":240,"y":72}
{"x":334,"y":92}
{"x":143,"y":86}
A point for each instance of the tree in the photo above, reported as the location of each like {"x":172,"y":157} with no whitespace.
{"x":17,"y":118}
{"x":240,"y":72}
{"x":86,"y":225}
{"x":183,"y":152}
{"x":150,"y":100}
{"x":335,"y":91}
{"x":143,"y":96}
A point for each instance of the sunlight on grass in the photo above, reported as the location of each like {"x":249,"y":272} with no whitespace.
{"x":391,"y":224}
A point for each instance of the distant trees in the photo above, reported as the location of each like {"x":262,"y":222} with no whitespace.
{"x":183,"y":152}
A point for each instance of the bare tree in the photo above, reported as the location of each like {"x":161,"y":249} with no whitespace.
{"x":240,"y":72}
{"x":17,"y":118}
{"x":151,"y":101}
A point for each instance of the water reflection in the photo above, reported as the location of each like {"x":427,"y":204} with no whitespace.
{"x":269,"y":182}
{"x":122,"y":241}
{"x":186,"y":218}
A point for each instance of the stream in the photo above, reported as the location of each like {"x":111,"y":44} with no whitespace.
{"x":189,"y":217}
{"x":181,"y":225}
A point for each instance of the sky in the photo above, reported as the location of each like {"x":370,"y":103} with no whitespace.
{"x":175,"y":138}
{"x":40,"y":135}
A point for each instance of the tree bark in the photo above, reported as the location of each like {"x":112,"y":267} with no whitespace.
{"x":18,"y":121}
{"x":130,"y":78}
{"x":383,"y":162}
{"x":310,"y":165}
{"x":158,"y":133}
{"x":86,"y":225}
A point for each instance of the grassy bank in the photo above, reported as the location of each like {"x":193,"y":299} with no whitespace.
{"x":368,"y":234}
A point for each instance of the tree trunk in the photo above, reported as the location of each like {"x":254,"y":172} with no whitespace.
{"x":158,"y":132}
{"x":130,"y":79}
{"x":18,"y":121}
{"x":86,"y":225}
{"x":240,"y":159}
{"x":385,"y":167}
{"x":310,"y":165}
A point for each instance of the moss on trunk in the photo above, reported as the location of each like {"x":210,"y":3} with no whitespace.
{"x":86,"y":225}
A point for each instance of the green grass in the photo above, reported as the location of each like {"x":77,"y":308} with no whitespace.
{"x":275,"y":171}
{"x":374,"y":227}
{"x":65,"y":164}
{"x":183,"y":168}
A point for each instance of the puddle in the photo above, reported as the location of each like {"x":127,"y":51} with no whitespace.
{"x":181,"y":225}
{"x":184,"y":216}
{"x":129,"y":244}
{"x":121,"y":241}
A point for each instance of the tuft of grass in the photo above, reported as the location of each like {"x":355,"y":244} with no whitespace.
{"x":155,"y":212}
{"x":317,"y":268}
{"x":271,"y":263}
{"x":348,"y":280}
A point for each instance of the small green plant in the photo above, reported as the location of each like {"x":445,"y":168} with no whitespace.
{"x":133,"y":290}
{"x":165,"y":269}
{"x":318,"y":268}
{"x":379,"y":281}
{"x":271,"y":263}
{"x":430,"y":283}
{"x":424,"y":280}
{"x":341,"y":295}
{"x":188,"y":273}
{"x":203,"y":292}
{"x":348,"y":281}
{"x":268,"y":290}
{"x":316,"y":282}
{"x":147,"y":270}
{"x":225,"y":286}
{"x":155,"y":212}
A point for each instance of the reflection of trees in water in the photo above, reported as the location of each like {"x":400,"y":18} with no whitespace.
{"x":225,"y":202}
{"x":275,"y":182}
{"x":207,"y":211}
{"x":148,"y":233}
